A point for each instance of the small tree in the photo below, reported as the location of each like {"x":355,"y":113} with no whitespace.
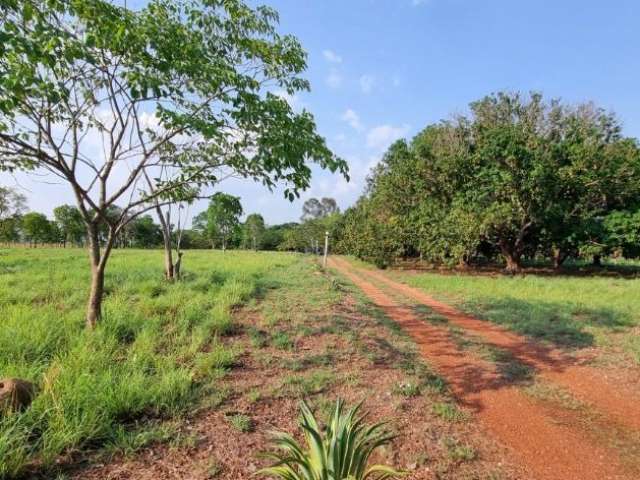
{"x":12,"y":205}
{"x":314,"y":208}
{"x":253,"y":230}
{"x":177,"y":94}
{"x":70,"y":223}
{"x":220,"y":220}
{"x":36,"y":228}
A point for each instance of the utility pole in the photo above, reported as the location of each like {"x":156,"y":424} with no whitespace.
{"x":326,"y":249}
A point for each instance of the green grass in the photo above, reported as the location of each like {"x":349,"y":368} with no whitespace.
{"x":566,"y":311}
{"x":450,"y":412}
{"x":159,"y":348}
{"x":241,"y":422}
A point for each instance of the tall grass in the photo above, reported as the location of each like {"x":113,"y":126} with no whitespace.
{"x":156,"y":350}
{"x":567,"y":311}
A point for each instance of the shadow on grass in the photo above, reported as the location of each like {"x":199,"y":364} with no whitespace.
{"x":560,"y":324}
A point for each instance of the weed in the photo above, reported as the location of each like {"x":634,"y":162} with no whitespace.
{"x":306,"y":385}
{"x":254,"y":395}
{"x":214,"y":469}
{"x":457,"y":451}
{"x":281,"y":340}
{"x":153,"y":355}
{"x":257,"y":337}
{"x":407,"y":389}
{"x":241,"y":422}
{"x":449,"y":412}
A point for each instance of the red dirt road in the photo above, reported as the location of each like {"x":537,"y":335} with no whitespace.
{"x":550,"y":449}
{"x":585,"y":383}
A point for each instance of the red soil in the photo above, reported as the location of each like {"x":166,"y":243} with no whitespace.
{"x":588,"y":384}
{"x":550,"y":449}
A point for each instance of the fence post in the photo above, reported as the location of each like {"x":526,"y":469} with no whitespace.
{"x":326,"y":249}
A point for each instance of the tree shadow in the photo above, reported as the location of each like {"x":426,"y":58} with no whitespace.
{"x":560,"y":324}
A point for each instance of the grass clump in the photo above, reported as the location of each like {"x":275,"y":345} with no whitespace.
{"x":241,"y":422}
{"x":449,"y":412}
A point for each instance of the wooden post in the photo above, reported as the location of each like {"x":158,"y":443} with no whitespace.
{"x":326,"y":249}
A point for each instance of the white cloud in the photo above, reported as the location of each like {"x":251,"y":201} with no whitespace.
{"x":331,"y":56}
{"x":334,"y":80}
{"x":366,"y":83}
{"x":382,"y":136}
{"x":353,"y":119}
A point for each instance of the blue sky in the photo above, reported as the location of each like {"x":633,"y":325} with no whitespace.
{"x":384,"y":69}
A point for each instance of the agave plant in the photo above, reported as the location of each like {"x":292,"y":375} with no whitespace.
{"x":341,"y":452}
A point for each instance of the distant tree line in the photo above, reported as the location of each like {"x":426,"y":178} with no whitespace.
{"x":517,"y":178}
{"x":218,"y":226}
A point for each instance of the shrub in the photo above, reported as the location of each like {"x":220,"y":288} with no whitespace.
{"x":340,"y":452}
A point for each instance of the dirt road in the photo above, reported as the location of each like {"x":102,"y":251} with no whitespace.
{"x":553,"y":442}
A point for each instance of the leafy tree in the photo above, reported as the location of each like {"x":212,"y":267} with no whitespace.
{"x":220,"y":220}
{"x":621,"y":230}
{"x":519,"y":177}
{"x":70,"y":222}
{"x":273,"y":236}
{"x":145,"y":233}
{"x":253,"y":231}
{"x":180,"y":90}
{"x":36,"y":228}
{"x":314,"y":208}
{"x":12,"y":205}
{"x":11,"y":202}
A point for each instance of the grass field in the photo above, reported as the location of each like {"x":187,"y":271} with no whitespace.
{"x":155,"y":353}
{"x":568,"y":311}
{"x":182,"y":371}
{"x":195,"y":370}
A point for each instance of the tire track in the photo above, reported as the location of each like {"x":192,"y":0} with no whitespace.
{"x":551,"y":450}
{"x":588,"y":384}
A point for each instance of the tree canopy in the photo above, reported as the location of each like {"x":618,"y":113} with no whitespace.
{"x":519,"y":176}
{"x":181,"y":94}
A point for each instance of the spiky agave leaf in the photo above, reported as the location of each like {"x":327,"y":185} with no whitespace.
{"x":341,"y":452}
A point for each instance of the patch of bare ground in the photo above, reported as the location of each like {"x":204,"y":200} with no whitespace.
{"x":553,"y":441}
{"x":299,"y":351}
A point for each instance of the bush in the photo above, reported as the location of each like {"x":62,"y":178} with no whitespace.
{"x":339,"y":452}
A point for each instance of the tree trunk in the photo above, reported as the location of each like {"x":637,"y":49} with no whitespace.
{"x":94,"y":306}
{"x":169,"y":271}
{"x":597,"y":260}
{"x":513,"y":263}
{"x":176,"y":268}
{"x":558,"y":258}
{"x":165,"y":224}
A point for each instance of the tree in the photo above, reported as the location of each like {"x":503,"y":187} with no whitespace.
{"x":518,"y":177}
{"x":36,"y":228}
{"x":12,"y":205}
{"x":179,"y":93}
{"x":220,"y":220}
{"x":274,"y":235}
{"x":145,"y":233}
{"x":253,"y":231}
{"x":314,"y":208}
{"x":70,"y":223}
